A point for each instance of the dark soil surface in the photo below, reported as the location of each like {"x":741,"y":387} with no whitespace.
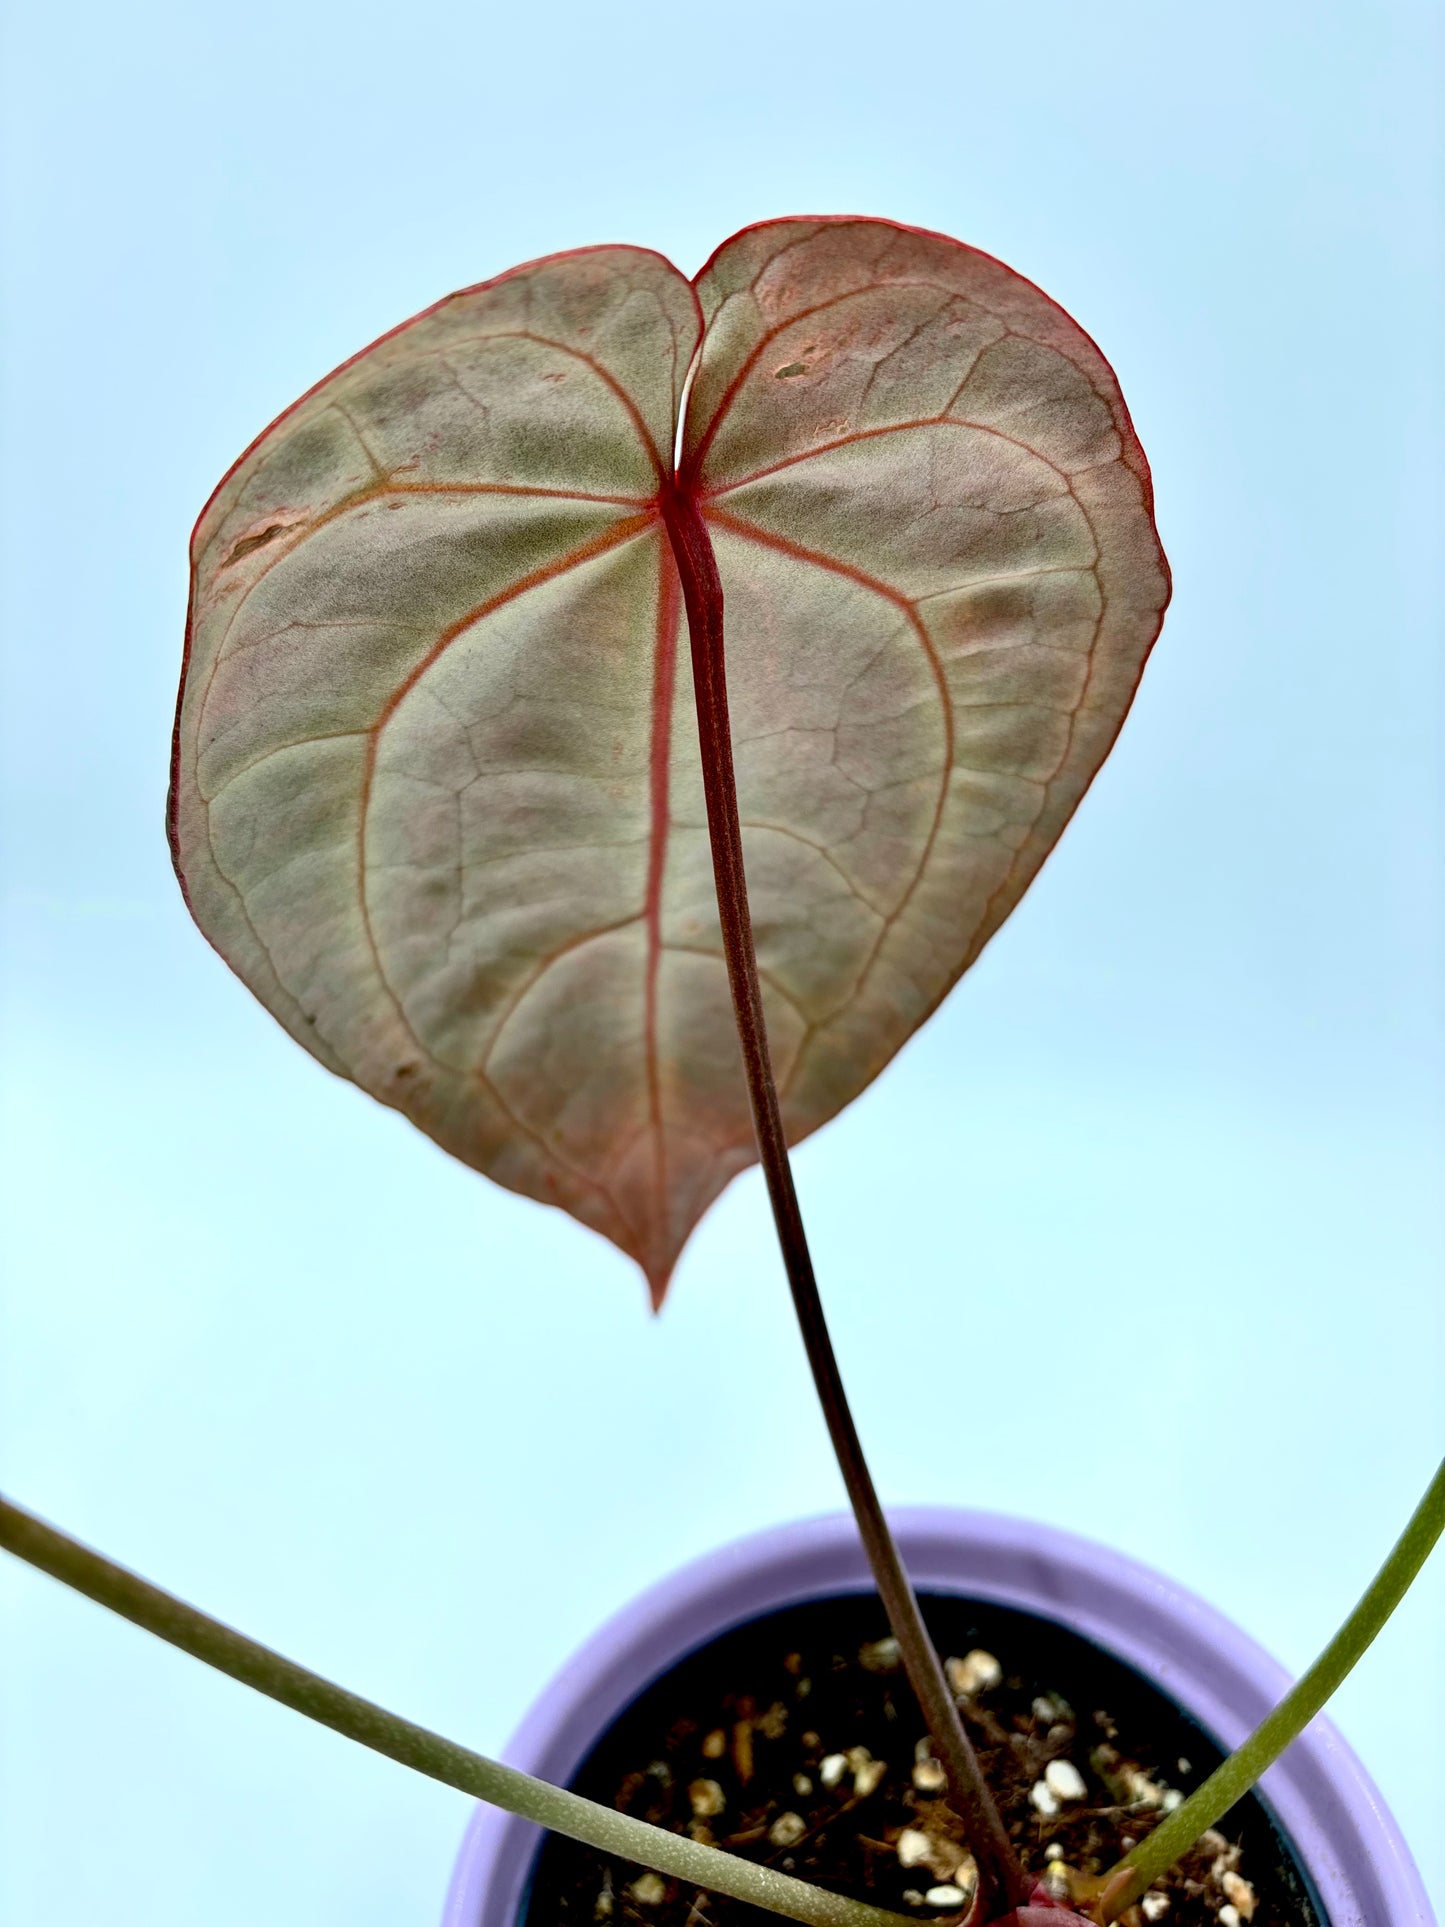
{"x":795,"y":1741}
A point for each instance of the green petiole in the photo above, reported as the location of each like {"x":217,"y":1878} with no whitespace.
{"x":1229,"y":1782}
{"x":440,"y":1759}
{"x":425,"y":1752}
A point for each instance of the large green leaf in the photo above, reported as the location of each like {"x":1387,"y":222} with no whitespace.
{"x":437,"y":794}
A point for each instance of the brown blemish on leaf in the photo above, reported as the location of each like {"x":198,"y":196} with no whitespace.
{"x":249,"y":544}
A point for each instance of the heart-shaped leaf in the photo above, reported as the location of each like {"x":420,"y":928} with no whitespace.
{"x":437,"y":794}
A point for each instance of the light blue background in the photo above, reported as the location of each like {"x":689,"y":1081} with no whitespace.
{"x":1141,"y":1237}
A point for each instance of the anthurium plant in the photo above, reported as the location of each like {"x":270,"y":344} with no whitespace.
{"x":616,"y":710}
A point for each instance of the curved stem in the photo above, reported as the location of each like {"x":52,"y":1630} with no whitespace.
{"x":1002,"y":1882}
{"x":1123,"y":1885}
{"x":370,"y":1725}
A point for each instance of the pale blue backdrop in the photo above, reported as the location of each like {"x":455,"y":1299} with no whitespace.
{"x":1141,"y":1236}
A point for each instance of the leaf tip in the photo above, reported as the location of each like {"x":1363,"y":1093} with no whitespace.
{"x":658,"y":1277}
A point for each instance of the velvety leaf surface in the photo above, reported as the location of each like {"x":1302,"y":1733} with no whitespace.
{"x":933,"y":523}
{"x":437,"y":796}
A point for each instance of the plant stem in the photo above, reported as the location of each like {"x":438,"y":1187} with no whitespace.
{"x":370,"y":1725}
{"x":1229,"y":1782}
{"x":1002,"y":1882}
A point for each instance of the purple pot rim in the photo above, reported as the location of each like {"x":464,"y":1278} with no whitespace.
{"x":1321,"y":1796}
